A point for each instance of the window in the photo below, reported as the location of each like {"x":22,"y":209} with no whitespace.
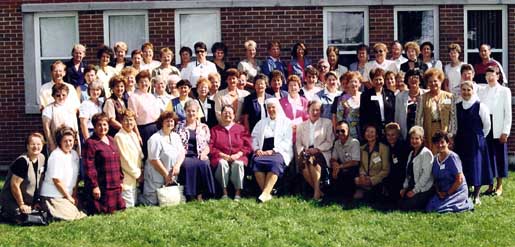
{"x":486,"y":24}
{"x":130,"y":27}
{"x":345,"y":28}
{"x":47,"y":37}
{"x":418,"y":23}
{"x":55,"y":35}
{"x":192,"y":26}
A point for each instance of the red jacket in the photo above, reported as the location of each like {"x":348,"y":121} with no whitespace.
{"x":231,"y":141}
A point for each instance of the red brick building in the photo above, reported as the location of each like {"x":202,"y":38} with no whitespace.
{"x":35,"y":33}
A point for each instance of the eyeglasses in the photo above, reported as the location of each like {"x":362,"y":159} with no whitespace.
{"x":340,"y":132}
{"x":200,"y":51}
{"x":379,"y":51}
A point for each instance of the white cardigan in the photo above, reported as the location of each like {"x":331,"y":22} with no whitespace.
{"x":422,"y":171}
{"x":501,"y":112}
{"x":283,"y":137}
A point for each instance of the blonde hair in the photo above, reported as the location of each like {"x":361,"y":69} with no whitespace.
{"x":417,"y":130}
{"x":250,"y":44}
{"x":412,"y":45}
{"x":120,"y":45}
{"x":380,"y":45}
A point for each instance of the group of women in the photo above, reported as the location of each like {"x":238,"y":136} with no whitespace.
{"x":145,"y":124}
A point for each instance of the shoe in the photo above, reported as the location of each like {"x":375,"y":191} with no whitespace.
{"x":225,"y":197}
{"x":264,"y":198}
{"x":488,"y":193}
{"x":237,"y":198}
{"x":497,"y":192}
{"x":476,"y":201}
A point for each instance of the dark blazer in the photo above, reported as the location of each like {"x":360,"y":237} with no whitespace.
{"x":271,"y":92}
{"x":252,"y":108}
{"x":128,"y":63}
{"x":370,"y":113}
{"x":211,"y":116}
{"x":418,"y":65}
{"x":73,"y":76}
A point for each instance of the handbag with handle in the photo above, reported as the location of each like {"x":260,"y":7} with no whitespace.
{"x":171,"y":195}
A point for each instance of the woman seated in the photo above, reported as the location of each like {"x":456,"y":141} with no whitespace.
{"x":20,"y":193}
{"x":272,"y":145}
{"x":374,"y":166}
{"x":345,"y":159}
{"x":417,"y":188}
{"x":131,"y":157}
{"x":314,"y":143}
{"x":57,"y":114}
{"x":399,"y":151}
{"x":59,"y":188}
{"x":230,"y":145}
{"x":451,"y":187}
{"x":165,"y":157}
{"x":103,"y":173}
{"x":196,"y":174}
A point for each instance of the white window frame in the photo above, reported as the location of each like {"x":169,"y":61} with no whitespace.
{"x":37,"y":54}
{"x":328,"y":10}
{"x":178,"y":13}
{"x":107,"y":14}
{"x":504,"y":49}
{"x":436,"y":23}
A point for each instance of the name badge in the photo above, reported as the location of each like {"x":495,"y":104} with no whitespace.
{"x":446,"y":101}
{"x":395,"y":161}
{"x":374,"y":97}
{"x":442,"y":167}
{"x":208,"y":106}
{"x":376,"y":159}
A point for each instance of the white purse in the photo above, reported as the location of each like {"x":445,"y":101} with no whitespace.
{"x":171,"y":195}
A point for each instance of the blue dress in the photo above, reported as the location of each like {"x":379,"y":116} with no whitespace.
{"x":471,"y":146}
{"x":444,"y":174}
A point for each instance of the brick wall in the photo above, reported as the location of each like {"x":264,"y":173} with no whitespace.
{"x":380,"y":24}
{"x":511,"y":68}
{"x":451,"y":29}
{"x":287,"y":25}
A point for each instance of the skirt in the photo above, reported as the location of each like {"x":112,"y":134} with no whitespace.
{"x":62,"y":209}
{"x":498,"y":153}
{"x":273,"y":163}
{"x":110,"y":200}
{"x":196,"y":176}
{"x":146,"y":131}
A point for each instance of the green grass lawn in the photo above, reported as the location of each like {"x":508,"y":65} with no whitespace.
{"x":286,"y":221}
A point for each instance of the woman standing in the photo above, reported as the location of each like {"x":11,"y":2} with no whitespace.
{"x":232,"y":95}
{"x":207,"y":106}
{"x":185,"y":53}
{"x":195,"y":136}
{"x":250,"y":64}
{"x":347,"y":108}
{"x":451,"y":187}
{"x":428,"y":56}
{"x":498,"y":99}
{"x":165,"y":157}
{"x":328,"y":95}
{"x":199,"y":68}
{"x":177,"y":104}
{"x":470,"y":143}
{"x":105,"y":72}
{"x":380,"y":61}
{"x":102,"y":167}
{"x":453,"y":70}
{"x":57,"y":114}
{"x":20,"y":193}
{"x":254,"y":108}
{"x":436,"y":110}
{"x":120,"y":62}
{"x":115,"y":105}
{"x":417,"y":187}
{"x":145,"y":107}
{"x":90,"y":107}
{"x":299,"y":61}
{"x":294,"y":106}
{"x":377,"y":104}
{"x":333,"y":55}
{"x":230,"y":145}
{"x":406,"y":103}
{"x":219,"y":51}
{"x":272,"y":145}
{"x":59,"y":188}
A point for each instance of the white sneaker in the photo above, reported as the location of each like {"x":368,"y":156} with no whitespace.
{"x":237,"y":198}
{"x":476,"y":201}
{"x":225,"y":197}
